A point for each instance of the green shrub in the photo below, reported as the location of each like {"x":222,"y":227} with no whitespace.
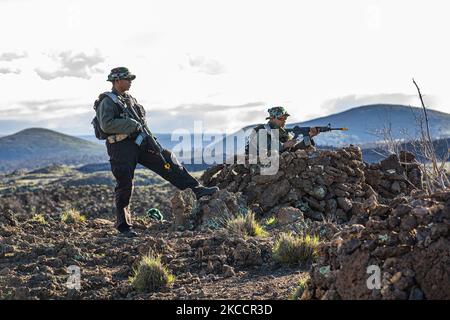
{"x":292,"y":249}
{"x":150,"y":275}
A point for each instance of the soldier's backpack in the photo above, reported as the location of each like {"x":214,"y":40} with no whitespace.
{"x":99,"y":133}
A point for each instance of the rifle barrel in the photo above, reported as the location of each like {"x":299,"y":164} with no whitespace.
{"x":342,"y":129}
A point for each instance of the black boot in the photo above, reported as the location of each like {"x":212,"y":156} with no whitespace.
{"x":201,"y":191}
{"x":127,"y":233}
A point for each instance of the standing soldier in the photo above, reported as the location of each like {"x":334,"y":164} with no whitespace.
{"x":121,"y":131}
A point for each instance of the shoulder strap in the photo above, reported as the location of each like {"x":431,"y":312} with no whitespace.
{"x":117,"y":102}
{"x":114,"y":98}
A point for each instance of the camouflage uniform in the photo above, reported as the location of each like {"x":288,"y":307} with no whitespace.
{"x":283,"y":136}
{"x":125,"y":154}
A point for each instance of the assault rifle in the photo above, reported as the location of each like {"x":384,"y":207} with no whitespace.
{"x":304,"y":131}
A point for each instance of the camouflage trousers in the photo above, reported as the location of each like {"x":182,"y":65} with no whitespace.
{"x":124,"y":157}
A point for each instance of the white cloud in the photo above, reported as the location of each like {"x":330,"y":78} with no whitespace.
{"x":9,"y":56}
{"x":6,"y":70}
{"x":204,"y":65}
{"x":72,"y":64}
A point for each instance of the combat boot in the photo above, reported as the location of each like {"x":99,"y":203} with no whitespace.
{"x":201,"y":191}
{"x":127,"y":233}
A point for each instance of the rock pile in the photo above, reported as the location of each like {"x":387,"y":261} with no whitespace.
{"x":408,"y":240}
{"x":207,"y":213}
{"x":394,"y":176}
{"x":322,"y":184}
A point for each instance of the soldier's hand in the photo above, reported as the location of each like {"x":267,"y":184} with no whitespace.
{"x":290,"y":144}
{"x":313,"y":132}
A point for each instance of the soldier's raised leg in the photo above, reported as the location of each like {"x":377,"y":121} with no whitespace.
{"x":177,"y":175}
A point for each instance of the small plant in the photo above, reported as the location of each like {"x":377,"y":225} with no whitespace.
{"x":271,"y":222}
{"x":39,"y":218}
{"x":292,"y":249}
{"x":301,"y":287}
{"x":7,"y":294}
{"x":150,"y":275}
{"x":246,"y":226}
{"x":72,"y":216}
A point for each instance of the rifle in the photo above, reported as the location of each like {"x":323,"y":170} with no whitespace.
{"x":304,"y":131}
{"x":146,"y":134}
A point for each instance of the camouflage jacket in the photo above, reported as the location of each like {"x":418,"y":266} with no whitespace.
{"x":112,"y":118}
{"x":283,"y":137}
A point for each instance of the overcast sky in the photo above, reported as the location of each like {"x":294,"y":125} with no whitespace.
{"x":220,"y":62}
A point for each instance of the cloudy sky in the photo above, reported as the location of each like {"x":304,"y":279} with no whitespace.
{"x":219,"y":62}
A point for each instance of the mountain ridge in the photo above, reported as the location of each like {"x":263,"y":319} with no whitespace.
{"x":34,"y":147}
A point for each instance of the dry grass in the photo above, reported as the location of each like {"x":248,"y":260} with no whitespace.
{"x":150,"y":275}
{"x":435,"y":168}
{"x":298,"y":292}
{"x":246,"y":226}
{"x":72,"y":216}
{"x":271,"y":222}
{"x":39,"y":218}
{"x":290,"y":249}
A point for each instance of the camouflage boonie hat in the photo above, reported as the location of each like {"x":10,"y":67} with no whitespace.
{"x":120,"y":73}
{"x":277,"y":112}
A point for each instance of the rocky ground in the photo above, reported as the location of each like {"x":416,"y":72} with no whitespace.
{"x":36,"y":248}
{"x":363,"y":214}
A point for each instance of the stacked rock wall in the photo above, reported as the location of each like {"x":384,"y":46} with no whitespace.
{"x":322,"y":184}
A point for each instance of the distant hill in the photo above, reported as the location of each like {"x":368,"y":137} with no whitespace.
{"x":37,"y":147}
{"x":365,"y":121}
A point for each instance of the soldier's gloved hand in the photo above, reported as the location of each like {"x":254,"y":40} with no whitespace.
{"x":290,"y":144}
{"x":313,"y":132}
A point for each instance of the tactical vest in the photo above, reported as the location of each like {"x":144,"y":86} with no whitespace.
{"x":283,"y":136}
{"x":118,"y":111}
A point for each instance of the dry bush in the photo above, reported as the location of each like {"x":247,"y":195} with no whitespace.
{"x":246,"y":226}
{"x":301,"y":287}
{"x":433,"y":165}
{"x":290,"y":249}
{"x":39,"y":218}
{"x":72,"y":216}
{"x":150,"y":275}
